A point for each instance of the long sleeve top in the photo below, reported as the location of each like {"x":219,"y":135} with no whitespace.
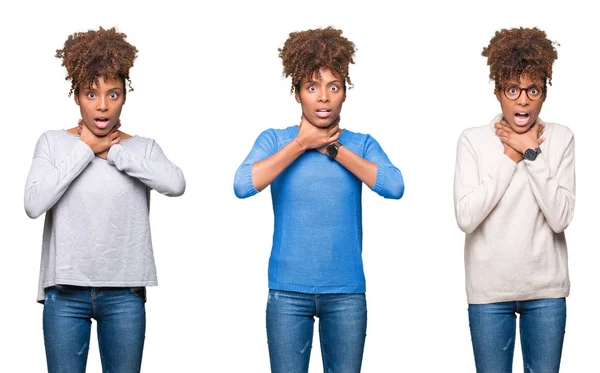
{"x":97,"y":228}
{"x":514,"y":215}
{"x":317,"y":240}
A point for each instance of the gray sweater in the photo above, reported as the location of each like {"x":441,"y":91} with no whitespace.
{"x":97,"y":228}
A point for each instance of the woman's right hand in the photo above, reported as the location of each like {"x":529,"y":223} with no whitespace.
{"x":313,"y":137}
{"x":99,"y":145}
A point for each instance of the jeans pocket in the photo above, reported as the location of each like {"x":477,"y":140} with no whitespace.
{"x":139,"y":291}
{"x":68,"y":289}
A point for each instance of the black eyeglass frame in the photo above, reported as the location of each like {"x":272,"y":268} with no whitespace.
{"x":544,"y":89}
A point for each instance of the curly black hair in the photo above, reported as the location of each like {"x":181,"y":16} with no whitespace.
{"x":304,"y":53}
{"x":520,"y":51}
{"x":94,"y":54}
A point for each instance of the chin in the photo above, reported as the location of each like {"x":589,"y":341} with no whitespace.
{"x":102,"y":131}
{"x":318,"y":122}
{"x":519,"y":129}
{"x":99,"y":132}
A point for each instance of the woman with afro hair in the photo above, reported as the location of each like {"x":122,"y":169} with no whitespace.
{"x":316,"y":171}
{"x":93,"y":181}
{"x":514,"y":194}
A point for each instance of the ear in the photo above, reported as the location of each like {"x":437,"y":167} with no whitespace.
{"x":76,"y":97}
{"x":497,"y":93}
{"x":297,"y":94}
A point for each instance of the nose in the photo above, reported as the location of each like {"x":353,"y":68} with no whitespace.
{"x":324,"y":95}
{"x":523,"y":99}
{"x":102,"y":104}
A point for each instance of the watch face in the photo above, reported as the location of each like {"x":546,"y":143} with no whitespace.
{"x":530,"y":154}
{"x":332,"y":150}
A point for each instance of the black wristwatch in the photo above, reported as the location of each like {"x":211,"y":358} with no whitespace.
{"x":332,"y":150}
{"x":531,"y":154}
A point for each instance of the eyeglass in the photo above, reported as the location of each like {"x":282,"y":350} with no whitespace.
{"x":513,"y":92}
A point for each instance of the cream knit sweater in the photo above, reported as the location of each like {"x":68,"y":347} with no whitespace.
{"x":514,"y":215}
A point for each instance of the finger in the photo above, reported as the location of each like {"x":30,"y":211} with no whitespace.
{"x":503,"y":126}
{"x":503,"y":135}
{"x":80,"y":123}
{"x":334,"y":138}
{"x":541,"y":128}
{"x":333,"y":130}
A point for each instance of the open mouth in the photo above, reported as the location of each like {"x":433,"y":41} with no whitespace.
{"x":521,"y":118}
{"x":101,"y":122}
{"x":323,"y":113}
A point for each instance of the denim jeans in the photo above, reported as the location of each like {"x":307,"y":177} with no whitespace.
{"x":542,"y":330}
{"x":342,"y":330}
{"x":121,"y":324}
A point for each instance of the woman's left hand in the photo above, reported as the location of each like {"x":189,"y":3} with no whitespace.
{"x":323,"y":149}
{"x":520,"y":141}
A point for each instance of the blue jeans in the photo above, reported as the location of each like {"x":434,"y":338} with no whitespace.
{"x":121,"y":324}
{"x":342,"y":330}
{"x":542,"y":329}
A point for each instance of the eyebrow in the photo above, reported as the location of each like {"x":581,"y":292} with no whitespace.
{"x":328,"y":83}
{"x":95,"y":89}
{"x":518,"y":85}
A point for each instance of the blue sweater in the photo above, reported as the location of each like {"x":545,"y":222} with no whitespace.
{"x":317,"y":242}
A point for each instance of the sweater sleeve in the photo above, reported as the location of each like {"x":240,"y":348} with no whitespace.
{"x":476,"y":195}
{"x":388,"y":181}
{"x":265,"y":146}
{"x":155,"y":170}
{"x":555,"y":193}
{"x":47,"y":181}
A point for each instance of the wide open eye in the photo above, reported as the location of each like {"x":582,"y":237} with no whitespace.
{"x":312,"y":88}
{"x":512,"y":91}
{"x":91,"y":95}
{"x":534,"y":92}
{"x":334,"y":88}
{"x":114,"y":95}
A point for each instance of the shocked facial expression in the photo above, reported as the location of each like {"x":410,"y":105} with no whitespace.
{"x":523,"y":109}
{"x":101,"y":105}
{"x":322,"y":98}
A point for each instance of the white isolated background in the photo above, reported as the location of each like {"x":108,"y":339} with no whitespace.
{"x":208,"y":81}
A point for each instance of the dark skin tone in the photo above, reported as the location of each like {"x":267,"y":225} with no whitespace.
{"x":100,"y":105}
{"x":518,"y":137}
{"x":316,"y":94}
{"x":515,"y":143}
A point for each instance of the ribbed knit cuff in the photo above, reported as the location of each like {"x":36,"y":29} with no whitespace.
{"x":378,"y":187}
{"x":243,"y":186}
{"x":506,"y":166}
{"x":113,"y":154}
{"x":83,"y":149}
